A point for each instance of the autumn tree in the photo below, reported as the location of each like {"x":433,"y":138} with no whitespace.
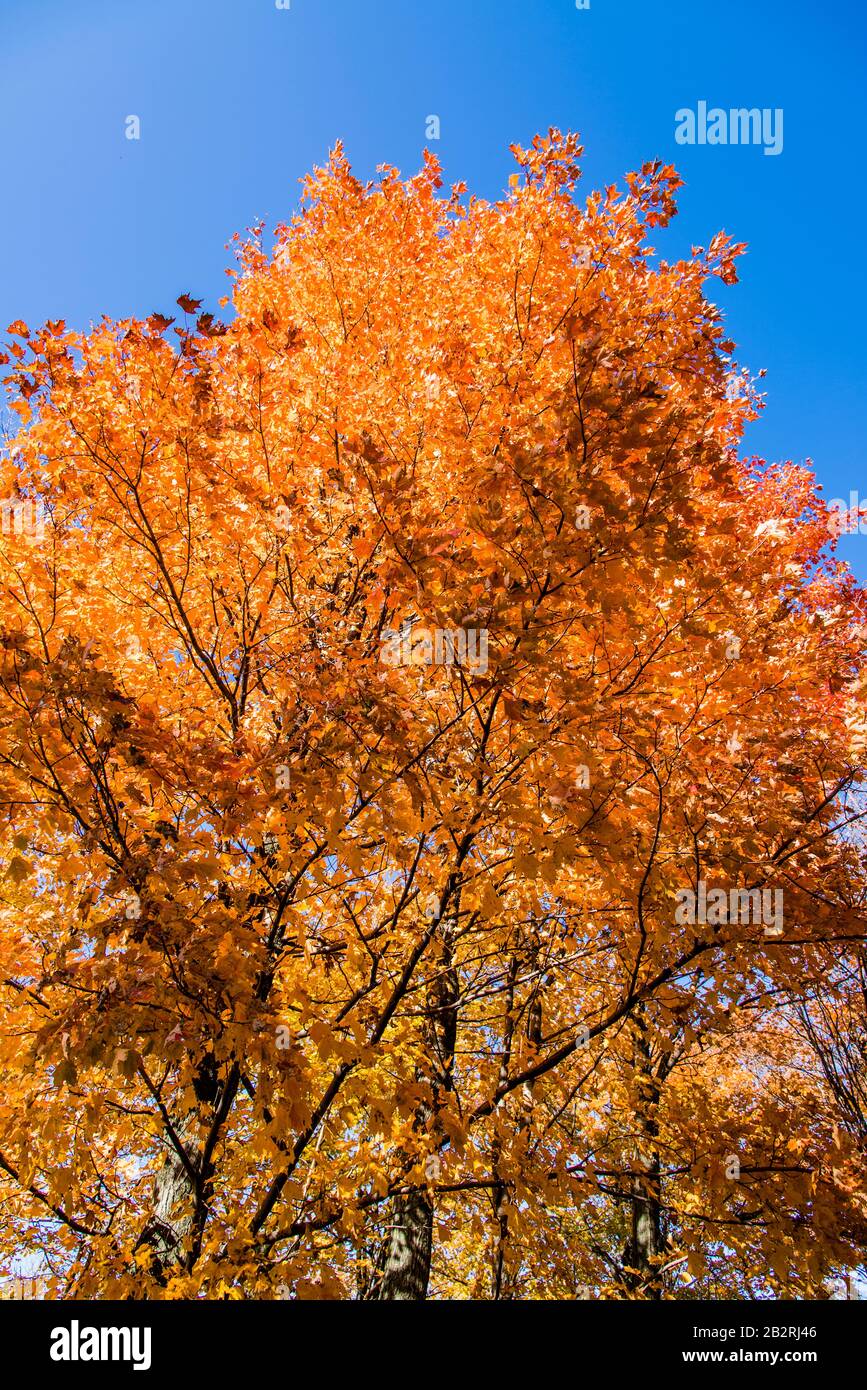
{"x":378,"y":666}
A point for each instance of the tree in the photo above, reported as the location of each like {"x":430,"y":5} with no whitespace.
{"x":392,"y":659}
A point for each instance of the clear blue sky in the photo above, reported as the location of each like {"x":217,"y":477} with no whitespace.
{"x":238,"y":99}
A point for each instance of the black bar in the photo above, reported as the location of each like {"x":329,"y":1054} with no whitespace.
{"x":176,"y":1341}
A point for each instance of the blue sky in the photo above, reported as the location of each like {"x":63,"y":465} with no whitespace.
{"x":237,"y":100}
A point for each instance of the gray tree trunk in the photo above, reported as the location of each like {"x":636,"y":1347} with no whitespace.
{"x":647,"y":1242}
{"x":168,"y":1230}
{"x":171,"y":1219}
{"x":406,"y":1259}
{"x":406,"y":1271}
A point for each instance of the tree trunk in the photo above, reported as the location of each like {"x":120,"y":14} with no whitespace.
{"x":647,"y":1243}
{"x":408,"y":1249}
{"x":171,"y":1219}
{"x":503,"y":1278}
{"x":406,"y":1270}
{"x":168,"y":1230}
{"x":498,"y":1193}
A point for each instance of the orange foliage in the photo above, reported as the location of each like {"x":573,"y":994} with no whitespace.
{"x":383,"y":663}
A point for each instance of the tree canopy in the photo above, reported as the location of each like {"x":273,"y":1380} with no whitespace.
{"x":377,"y":668}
